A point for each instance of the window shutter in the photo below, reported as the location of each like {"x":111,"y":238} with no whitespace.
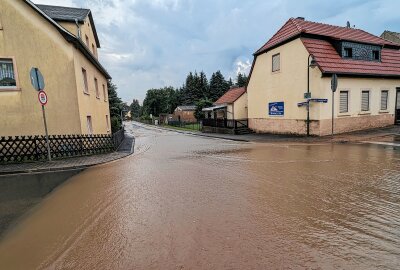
{"x":384,"y":100}
{"x":365,"y":101}
{"x":276,"y":62}
{"x":344,"y":101}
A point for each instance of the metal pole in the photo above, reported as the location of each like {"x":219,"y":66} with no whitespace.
{"x":333,"y":110}
{"x":308,"y":91}
{"x":47,"y":134}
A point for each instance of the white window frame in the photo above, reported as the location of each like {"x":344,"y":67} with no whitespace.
{"x":387,"y":100}
{"x":105,"y":92}
{"x":89,"y":124}
{"x":369,"y":101}
{"x":85,"y":81}
{"x":272,"y":62}
{"x":17,"y":86}
{"x":348,"y":102}
{"x":96,"y":88}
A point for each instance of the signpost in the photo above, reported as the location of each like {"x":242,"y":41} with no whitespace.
{"x":37,"y":81}
{"x":334,"y":85}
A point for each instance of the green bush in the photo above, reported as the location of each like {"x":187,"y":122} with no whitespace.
{"x":115,"y":124}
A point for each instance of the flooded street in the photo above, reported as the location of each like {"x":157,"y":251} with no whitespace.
{"x":186,"y":202}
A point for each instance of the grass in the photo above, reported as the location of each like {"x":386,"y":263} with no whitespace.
{"x":189,"y":127}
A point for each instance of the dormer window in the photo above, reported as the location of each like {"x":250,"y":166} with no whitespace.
{"x":348,"y":53}
{"x":375,"y":55}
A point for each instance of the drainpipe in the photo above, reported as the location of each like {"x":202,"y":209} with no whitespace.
{"x":79,"y":28}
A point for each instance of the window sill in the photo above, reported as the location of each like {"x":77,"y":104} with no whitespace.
{"x":384,"y":111}
{"x":276,"y":72}
{"x":344,"y":114}
{"x":10,"y":89}
{"x":98,"y":98}
{"x":364,"y":113}
{"x":86,"y":93}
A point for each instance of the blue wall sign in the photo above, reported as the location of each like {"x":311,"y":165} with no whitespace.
{"x":276,"y":108}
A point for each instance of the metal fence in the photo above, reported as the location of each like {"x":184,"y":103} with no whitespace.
{"x":226,"y":123}
{"x":33,"y":148}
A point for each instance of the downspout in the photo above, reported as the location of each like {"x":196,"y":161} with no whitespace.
{"x":78,"y":27}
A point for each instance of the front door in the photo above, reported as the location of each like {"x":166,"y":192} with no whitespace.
{"x":397,"y":109}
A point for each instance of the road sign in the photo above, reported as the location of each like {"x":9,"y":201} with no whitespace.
{"x":42,"y":98}
{"x":276,"y":108}
{"x":334,"y":83}
{"x":321,"y":100}
{"x":301,"y":104}
{"x":307,"y":95}
{"x":37,"y":79}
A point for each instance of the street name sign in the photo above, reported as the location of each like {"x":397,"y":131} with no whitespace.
{"x":321,"y":100}
{"x":37,"y":79}
{"x":301,"y":104}
{"x":42,"y":97}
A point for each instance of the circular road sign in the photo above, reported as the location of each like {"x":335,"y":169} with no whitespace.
{"x":42,"y":97}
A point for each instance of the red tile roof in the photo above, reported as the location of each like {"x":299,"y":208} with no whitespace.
{"x":294,"y":27}
{"x":329,"y":61}
{"x":231,"y":96}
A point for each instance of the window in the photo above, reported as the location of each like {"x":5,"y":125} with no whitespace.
{"x":93,"y":49}
{"x":365,"y":101}
{"x":344,"y":102}
{"x":89,"y":124}
{"x":7,"y":74}
{"x":96,"y":85}
{"x":85,"y":81}
{"x":348,"y":53}
{"x":104,"y":93}
{"x":87,"y":40}
{"x":276,"y":62}
{"x":107,"y":123}
{"x":375,"y":55}
{"x":384,"y":100}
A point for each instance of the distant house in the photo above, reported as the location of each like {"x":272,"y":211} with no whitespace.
{"x":391,"y":36}
{"x":185,"y":113}
{"x":367,"y":67}
{"x":62,"y":42}
{"x":232,"y":105}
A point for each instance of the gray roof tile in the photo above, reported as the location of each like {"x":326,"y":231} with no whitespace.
{"x":64,"y":13}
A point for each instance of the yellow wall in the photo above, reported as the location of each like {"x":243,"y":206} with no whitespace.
{"x":240,"y":107}
{"x":34,"y":42}
{"x":86,"y":30}
{"x":47,"y":50}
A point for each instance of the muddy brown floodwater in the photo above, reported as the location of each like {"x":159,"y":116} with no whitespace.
{"x":185,"y":202}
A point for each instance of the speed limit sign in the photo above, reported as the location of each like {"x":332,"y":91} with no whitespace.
{"x":42,"y":97}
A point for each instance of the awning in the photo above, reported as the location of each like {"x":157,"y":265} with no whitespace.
{"x":214,"y":108}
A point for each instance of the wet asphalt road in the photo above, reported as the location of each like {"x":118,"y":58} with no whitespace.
{"x":185,"y":202}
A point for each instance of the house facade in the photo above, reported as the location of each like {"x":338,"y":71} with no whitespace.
{"x":368,"y":70}
{"x":62,"y":42}
{"x":185,"y":113}
{"x":232,"y":105}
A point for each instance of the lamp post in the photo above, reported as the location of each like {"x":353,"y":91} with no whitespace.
{"x":311,"y":63}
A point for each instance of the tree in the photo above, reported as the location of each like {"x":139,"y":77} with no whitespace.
{"x":135,"y":109}
{"x":203,"y":103}
{"x":218,"y":86}
{"x":116,"y":106}
{"x":241,"y":80}
{"x":163,"y":100}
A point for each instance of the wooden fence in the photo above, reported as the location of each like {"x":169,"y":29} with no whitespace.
{"x":33,"y":148}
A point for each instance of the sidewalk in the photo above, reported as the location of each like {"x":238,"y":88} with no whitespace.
{"x":125,"y":149}
{"x":381,"y":134}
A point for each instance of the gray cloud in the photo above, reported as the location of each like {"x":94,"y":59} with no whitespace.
{"x":148,"y":44}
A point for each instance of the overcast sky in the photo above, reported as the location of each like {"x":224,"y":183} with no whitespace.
{"x":155,"y":43}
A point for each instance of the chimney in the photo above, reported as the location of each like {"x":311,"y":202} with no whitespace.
{"x":348,"y":24}
{"x":300,"y":18}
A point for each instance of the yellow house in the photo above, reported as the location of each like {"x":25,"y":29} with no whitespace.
{"x":62,"y":42}
{"x":368,"y":70}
